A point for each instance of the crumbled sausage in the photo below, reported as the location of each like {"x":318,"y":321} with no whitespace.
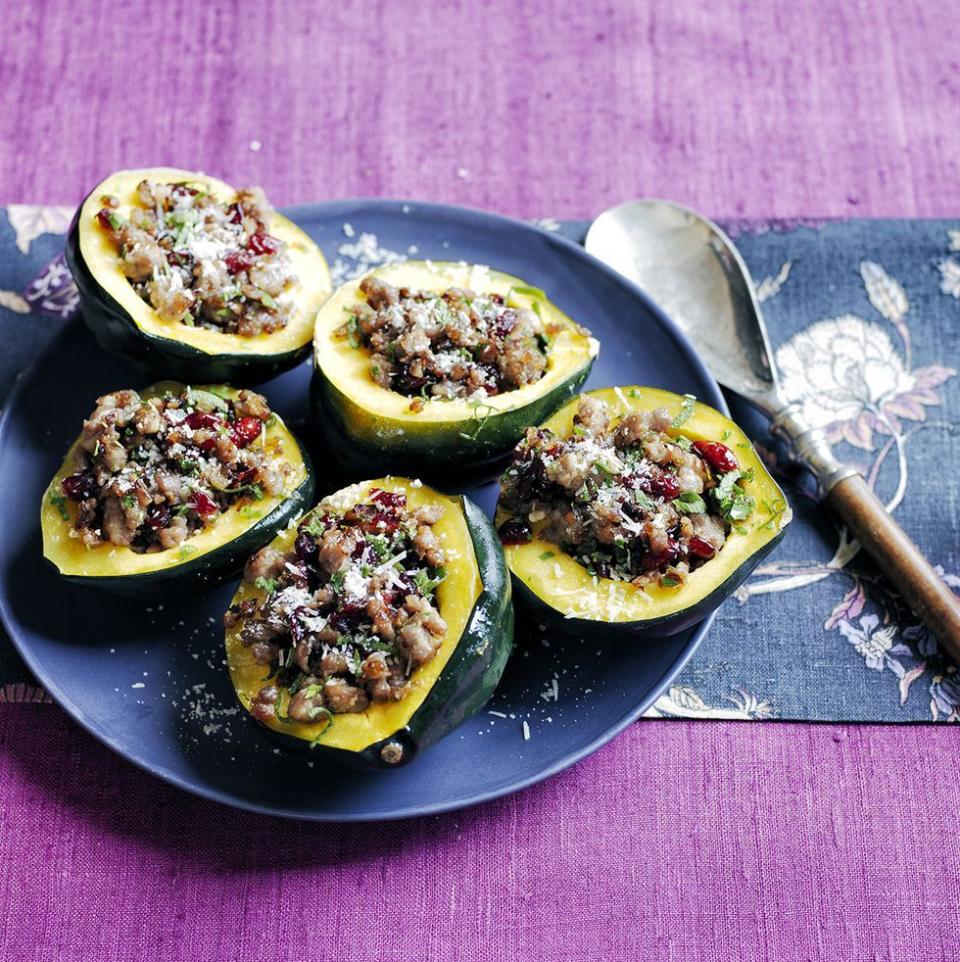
{"x":340,"y":696}
{"x":201,"y":261}
{"x":369,"y":623}
{"x":458,"y":344}
{"x":151,"y":473}
{"x":630,"y":499}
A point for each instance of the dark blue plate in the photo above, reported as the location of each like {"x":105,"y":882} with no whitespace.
{"x":150,"y":682}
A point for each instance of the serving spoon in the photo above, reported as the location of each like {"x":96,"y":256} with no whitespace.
{"x":689,"y":266}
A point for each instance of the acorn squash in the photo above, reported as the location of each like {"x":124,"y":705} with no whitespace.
{"x":125,"y":324}
{"x":368,"y":426}
{"x":474,"y":600}
{"x":210,"y":556}
{"x":559,"y":592}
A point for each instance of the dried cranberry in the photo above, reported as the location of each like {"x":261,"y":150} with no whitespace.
{"x":158,"y":516}
{"x":104,"y":217}
{"x":79,"y":487}
{"x":352,"y":611}
{"x":390,"y":596}
{"x":236,"y":213}
{"x":700,"y":548}
{"x":305,"y":546}
{"x":203,"y":504}
{"x":201,"y":419}
{"x":180,"y":259}
{"x":532,"y":483}
{"x":261,"y":243}
{"x":237,"y":261}
{"x":505,"y":322}
{"x":662,"y":485}
{"x":389,"y":499}
{"x":717,"y":455}
{"x":296,"y":573}
{"x":515,"y":531}
{"x":245,"y":431}
{"x":652,"y":561}
{"x":407,"y":383}
{"x":362,"y":552}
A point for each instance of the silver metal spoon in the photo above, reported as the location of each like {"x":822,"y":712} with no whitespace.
{"x":689,"y":266}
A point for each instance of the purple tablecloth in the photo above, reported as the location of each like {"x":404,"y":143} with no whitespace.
{"x":687,"y":841}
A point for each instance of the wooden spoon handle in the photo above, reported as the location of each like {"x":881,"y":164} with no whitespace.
{"x":899,"y":559}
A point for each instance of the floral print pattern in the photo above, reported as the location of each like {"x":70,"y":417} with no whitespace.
{"x":855,"y":378}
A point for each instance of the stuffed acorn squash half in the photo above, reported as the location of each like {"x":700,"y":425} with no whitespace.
{"x":198,"y":280}
{"x":171,"y":488}
{"x":373,"y":627}
{"x":635,"y":511}
{"x":442,"y":366}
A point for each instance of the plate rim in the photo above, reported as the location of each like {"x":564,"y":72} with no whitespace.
{"x":567,"y":760}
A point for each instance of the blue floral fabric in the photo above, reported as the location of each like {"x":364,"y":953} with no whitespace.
{"x":865,"y":321}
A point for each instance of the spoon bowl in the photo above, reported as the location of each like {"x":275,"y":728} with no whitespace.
{"x":689,"y":266}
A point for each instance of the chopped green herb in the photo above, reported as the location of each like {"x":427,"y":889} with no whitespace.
{"x":426,"y":584}
{"x":480,"y":413}
{"x":337,"y":578}
{"x":254,"y":490}
{"x":669,"y":581}
{"x":266,"y":300}
{"x":726,"y":434}
{"x":773,"y":509}
{"x":186,"y":551}
{"x":527,"y":291}
{"x":690,"y":503}
{"x":60,"y":503}
{"x":327,"y":727}
{"x":269,"y":585}
{"x":686,"y":410}
{"x":380,"y":545}
{"x":642,"y":500}
{"x":128,"y":501}
{"x":732,"y":501}
{"x":684,"y":442}
{"x":547,"y":555}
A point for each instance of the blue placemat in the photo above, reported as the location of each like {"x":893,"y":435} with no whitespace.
{"x":865,"y":320}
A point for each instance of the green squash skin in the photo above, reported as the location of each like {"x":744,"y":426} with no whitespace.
{"x":443,"y":453}
{"x":467,"y":680}
{"x":213,"y":567}
{"x":622,"y":631}
{"x":117,"y":333}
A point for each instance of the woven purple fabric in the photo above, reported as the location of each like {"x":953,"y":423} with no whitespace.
{"x":698,"y":841}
